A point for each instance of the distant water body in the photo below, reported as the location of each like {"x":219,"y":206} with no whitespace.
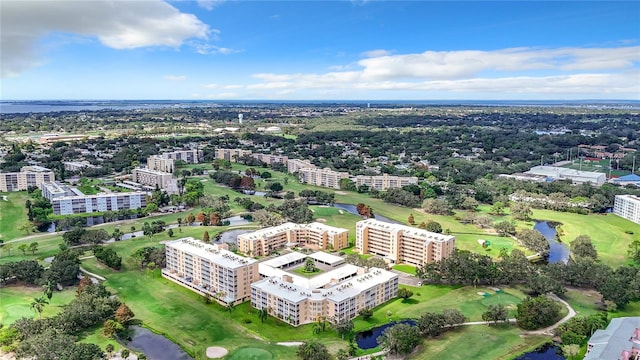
{"x":44,"y":106}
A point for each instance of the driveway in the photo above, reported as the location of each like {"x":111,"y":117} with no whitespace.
{"x":407,"y":279}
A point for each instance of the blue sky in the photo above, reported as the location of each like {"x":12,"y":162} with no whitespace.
{"x":319,"y":50}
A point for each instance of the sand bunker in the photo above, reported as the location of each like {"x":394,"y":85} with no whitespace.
{"x":216,"y":352}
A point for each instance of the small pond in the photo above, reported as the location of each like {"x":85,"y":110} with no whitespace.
{"x":557,"y":251}
{"x":154,"y":346}
{"x":547,"y":352}
{"x":368,"y":339}
{"x":254,"y":193}
{"x":352,"y":209}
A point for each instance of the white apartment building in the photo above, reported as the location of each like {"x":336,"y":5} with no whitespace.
{"x":384,"y":182}
{"x":231,"y":154}
{"x":67,"y":200}
{"x":78,"y":165}
{"x":162,"y":180}
{"x":191,"y":156}
{"x":322,"y":177}
{"x":628,"y":207}
{"x":28,"y":176}
{"x":318,"y":235}
{"x":401,"y":244}
{"x":270,"y":159}
{"x":294,"y":165}
{"x":211,"y":270}
{"x":337,"y":294}
{"x":160,"y":163}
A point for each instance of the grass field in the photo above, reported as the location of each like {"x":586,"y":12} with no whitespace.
{"x":406,"y":269}
{"x":12,"y":214}
{"x":483,"y":342}
{"x":16,"y":302}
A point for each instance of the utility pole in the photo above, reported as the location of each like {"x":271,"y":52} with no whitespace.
{"x":633,"y":167}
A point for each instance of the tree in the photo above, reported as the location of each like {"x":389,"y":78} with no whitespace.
{"x":123,"y":314}
{"x":521,"y":211}
{"x":436,"y":206}
{"x":33,"y":247}
{"x":411,"y":220}
{"x":400,"y":339}
{"x":433,"y":226}
{"x":497,"y":208}
{"x":343,"y":326}
{"x":453,"y":317}
{"x":229,"y":307}
{"x":38,"y":305}
{"x":23,"y":248}
{"x":634,"y":251}
{"x":366,"y":313}
{"x":583,"y":247}
{"x":313,"y":350}
{"x":537,"y":312}
{"x":505,"y":228}
{"x":276,"y":187}
{"x":470,"y":203}
{"x":495,"y":314}
{"x":170,"y":232}
{"x":27,"y":227}
{"x":309,"y":265}
{"x":191,"y":218}
{"x":205,"y":237}
{"x":7,"y":248}
{"x":124,"y":353}
{"x":109,"y":349}
{"x":263,"y":314}
{"x":404,"y":294}
{"x":47,"y":289}
{"x":111,"y":328}
{"x":431,"y":324}
{"x":570,"y":350}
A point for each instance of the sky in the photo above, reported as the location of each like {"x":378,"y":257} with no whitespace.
{"x":319,"y":50}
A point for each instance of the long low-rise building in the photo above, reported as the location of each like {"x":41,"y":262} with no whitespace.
{"x":384,"y":182}
{"x":321,"y":236}
{"x":294,"y":165}
{"x":401,"y":244}
{"x":336,"y":295}
{"x":322,"y":177}
{"x":231,"y":154}
{"x":628,"y":207}
{"x":153,"y":178}
{"x":575,"y":176}
{"x":26,"y":177}
{"x":190,"y":156}
{"x":208,"y":269}
{"x":67,"y":200}
{"x":270,"y":159}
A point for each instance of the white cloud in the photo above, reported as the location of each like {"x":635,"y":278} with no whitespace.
{"x":583,"y":72}
{"x":116,"y":24}
{"x":175,"y":77}
{"x":376,"y":53}
{"x":209,"y":4}
{"x":206,"y":49}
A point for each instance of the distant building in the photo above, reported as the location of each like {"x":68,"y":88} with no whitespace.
{"x":262,"y":242}
{"x":28,"y":176}
{"x":152,"y":178}
{"x":160,"y":163}
{"x":631,"y":179}
{"x":67,"y":200}
{"x":231,"y":154}
{"x":337,"y":294}
{"x":270,"y":159}
{"x":628,"y":207}
{"x":322,"y":177}
{"x":575,"y":176}
{"x":211,"y":270}
{"x":619,"y":341}
{"x":384,"y":182}
{"x":78,"y":165}
{"x":401,"y":244}
{"x":294,"y":165}
{"x":192,"y":156}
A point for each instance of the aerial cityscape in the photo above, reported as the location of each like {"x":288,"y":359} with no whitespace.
{"x":319,"y":180}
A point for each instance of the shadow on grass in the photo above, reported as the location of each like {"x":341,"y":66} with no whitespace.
{"x":410,"y":301}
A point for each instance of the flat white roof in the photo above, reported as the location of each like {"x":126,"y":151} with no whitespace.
{"x":284,"y":259}
{"x":344,"y":290}
{"x":633,"y":198}
{"x":406,"y":230}
{"x":210,"y":252}
{"x":326,"y":258}
{"x":288,"y":226}
{"x":555,"y":171}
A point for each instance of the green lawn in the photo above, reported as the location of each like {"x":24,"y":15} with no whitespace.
{"x":409,"y":269}
{"x":584,"y":302}
{"x":12,"y":214}
{"x":16,"y":302}
{"x":483,"y":342}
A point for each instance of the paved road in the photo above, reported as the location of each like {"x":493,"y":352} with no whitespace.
{"x":407,"y":279}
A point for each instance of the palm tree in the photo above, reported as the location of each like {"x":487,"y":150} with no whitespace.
{"x":48,"y":289}
{"x":263,"y":314}
{"x":229,"y":308}
{"x":38,"y":305}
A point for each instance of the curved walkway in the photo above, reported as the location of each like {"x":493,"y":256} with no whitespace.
{"x":92,"y":274}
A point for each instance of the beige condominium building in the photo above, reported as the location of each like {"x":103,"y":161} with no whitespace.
{"x":628,"y":207}
{"x":160,"y":163}
{"x":270,"y":159}
{"x":210,"y":270}
{"x":322,"y":177}
{"x":384,"y":182}
{"x":191,"y":156}
{"x":321,"y":236}
{"x":336,"y":294}
{"x":231,"y":154}
{"x":28,"y":176}
{"x":162,"y":180}
{"x":294,"y":165}
{"x":401,"y":244}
